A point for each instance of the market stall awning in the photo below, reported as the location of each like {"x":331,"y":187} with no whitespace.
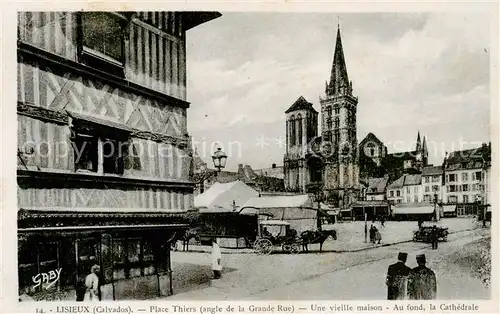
{"x":370,"y":203}
{"x":64,"y":212}
{"x":279,"y":201}
{"x":219,"y":197}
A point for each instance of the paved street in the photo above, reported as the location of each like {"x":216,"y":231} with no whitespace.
{"x":349,"y":275}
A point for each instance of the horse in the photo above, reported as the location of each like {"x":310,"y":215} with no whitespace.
{"x":313,"y":237}
{"x":185,"y":238}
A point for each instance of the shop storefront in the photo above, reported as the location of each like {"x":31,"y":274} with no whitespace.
{"x":57,"y":250}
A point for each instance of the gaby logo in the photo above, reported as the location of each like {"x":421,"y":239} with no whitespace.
{"x":51,"y":278}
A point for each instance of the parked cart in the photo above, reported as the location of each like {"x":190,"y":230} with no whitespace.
{"x":423,"y":234}
{"x":276,"y":233}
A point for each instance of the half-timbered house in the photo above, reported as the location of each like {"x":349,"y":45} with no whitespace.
{"x":103,"y":150}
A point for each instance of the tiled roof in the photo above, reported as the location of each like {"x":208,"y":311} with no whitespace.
{"x":432,"y":170}
{"x":397,"y":184}
{"x":413,"y":179}
{"x":377,"y":185}
{"x":469,"y":158}
{"x":370,"y":137}
{"x":300,"y":104}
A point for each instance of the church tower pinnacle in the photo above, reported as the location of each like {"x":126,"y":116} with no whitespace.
{"x":338,"y":129}
{"x":339,"y":80}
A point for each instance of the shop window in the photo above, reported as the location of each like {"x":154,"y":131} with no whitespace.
{"x":134,"y":257}
{"x":148,"y":258}
{"x":88,"y":255}
{"x":119,"y":259}
{"x":27,"y":263}
{"x":102,"y":42}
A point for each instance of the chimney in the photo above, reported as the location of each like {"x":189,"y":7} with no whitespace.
{"x":241,"y":174}
{"x":273,"y":166}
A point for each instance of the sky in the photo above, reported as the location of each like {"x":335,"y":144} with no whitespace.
{"x":411,"y":72}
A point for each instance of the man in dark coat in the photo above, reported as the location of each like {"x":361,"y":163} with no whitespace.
{"x":434,"y":237}
{"x":397,"y":275}
{"x":422,"y":281}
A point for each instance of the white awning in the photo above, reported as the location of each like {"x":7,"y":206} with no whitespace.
{"x":412,"y":210}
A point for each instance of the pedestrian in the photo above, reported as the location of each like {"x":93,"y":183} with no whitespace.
{"x":420,"y":223}
{"x":92,"y":285}
{"x":397,"y":278}
{"x":434,"y":237}
{"x":382,"y":221}
{"x":216,"y":259}
{"x":422,"y":281}
{"x":372,"y":234}
{"x":378,"y":236}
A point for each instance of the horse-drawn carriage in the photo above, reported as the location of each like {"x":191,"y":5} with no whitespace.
{"x":424,"y":233}
{"x":287,"y":238}
{"x":280,"y":235}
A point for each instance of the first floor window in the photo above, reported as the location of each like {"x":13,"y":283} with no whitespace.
{"x":465,"y":187}
{"x":398,"y":193}
{"x":101,"y":154}
{"x":392,"y":193}
{"x":466,"y":199}
{"x":452,"y":199}
{"x":427,"y":189}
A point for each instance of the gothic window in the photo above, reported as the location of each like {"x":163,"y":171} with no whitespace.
{"x":337,"y":122}
{"x":329,"y":123}
{"x":292,"y":130}
{"x":299,"y":125}
{"x":329,"y":111}
{"x":337,"y":110}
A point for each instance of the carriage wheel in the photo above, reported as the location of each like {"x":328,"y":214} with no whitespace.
{"x":263,"y":246}
{"x":295,"y":248}
{"x":287,"y":248}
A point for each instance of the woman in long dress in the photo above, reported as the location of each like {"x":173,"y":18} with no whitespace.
{"x":216,"y":260}
{"x":92,"y":285}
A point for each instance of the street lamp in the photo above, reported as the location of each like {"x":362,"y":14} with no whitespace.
{"x":219,"y":159}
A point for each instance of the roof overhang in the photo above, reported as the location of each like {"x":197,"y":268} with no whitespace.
{"x":193,"y":19}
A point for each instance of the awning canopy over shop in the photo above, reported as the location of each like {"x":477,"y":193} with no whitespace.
{"x":449,"y":208}
{"x":413,"y":210}
{"x":371,"y":203}
{"x":74,"y":219}
{"x":219,"y":197}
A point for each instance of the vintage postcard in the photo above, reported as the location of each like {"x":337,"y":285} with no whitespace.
{"x":307,"y":158}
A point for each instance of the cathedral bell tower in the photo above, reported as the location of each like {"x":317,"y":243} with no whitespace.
{"x":338,"y":114}
{"x":301,"y":129}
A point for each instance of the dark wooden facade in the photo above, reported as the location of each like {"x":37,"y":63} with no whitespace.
{"x":85,"y":80}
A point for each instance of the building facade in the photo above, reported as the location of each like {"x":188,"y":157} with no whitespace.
{"x":104,"y":155}
{"x":432,"y":181}
{"x":465,"y":178}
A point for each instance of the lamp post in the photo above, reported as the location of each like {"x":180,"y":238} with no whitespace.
{"x":219,"y":159}
{"x":316,"y":196}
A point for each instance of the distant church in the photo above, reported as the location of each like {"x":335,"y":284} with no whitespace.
{"x":329,"y":162}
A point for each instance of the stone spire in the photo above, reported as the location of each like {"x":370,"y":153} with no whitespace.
{"x":424,"y":147}
{"x":419,"y":144}
{"x":339,"y":81}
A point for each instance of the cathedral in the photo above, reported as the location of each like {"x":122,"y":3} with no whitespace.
{"x":328,"y":161}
